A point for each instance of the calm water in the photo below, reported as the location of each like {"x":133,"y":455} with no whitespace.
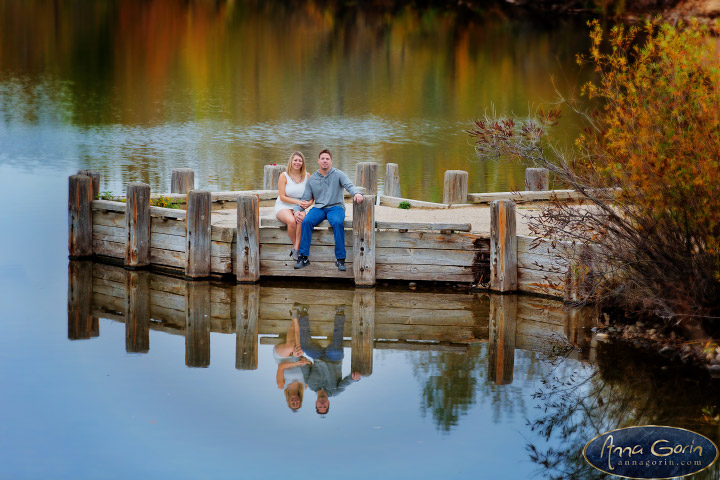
{"x":225,"y":88}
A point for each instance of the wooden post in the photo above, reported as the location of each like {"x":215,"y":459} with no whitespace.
{"x":95,"y":181}
{"x":456,"y":187}
{"x":392,"y":180}
{"x":81,"y":324}
{"x":80,"y":243}
{"x":246,"y":326}
{"x":366,"y":175}
{"x":183,"y":180}
{"x":247,"y":264}
{"x":501,"y":348}
{"x":537,"y":179}
{"x":137,"y":225}
{"x":363,"y":332}
{"x":579,"y":279}
{"x":197,"y":240}
{"x":271,"y":176}
{"x":364,"y":241}
{"x":197,"y":324}
{"x":503,"y":246}
{"x":137,"y":312}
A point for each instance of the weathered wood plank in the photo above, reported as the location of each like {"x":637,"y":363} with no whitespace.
{"x":247,"y":321}
{"x":503,"y":247}
{"x":247,"y":263}
{"x":80,"y":226}
{"x":197,"y":240}
{"x":432,"y":240}
{"x":108,"y":249}
{"x":455,"y":188}
{"x":524,"y":197}
{"x":439,"y":273}
{"x":366,"y":176}
{"x":501,"y":349}
{"x":537,"y":179}
{"x":137,"y":225}
{"x":137,"y":312}
{"x":544,"y":283}
{"x":364,"y":268}
{"x":315,"y":269}
{"x":395,"y":201}
{"x":271,"y":176}
{"x":289,"y":296}
{"x":95,"y":176}
{"x":532,"y":261}
{"x":444,"y":301}
{"x":269,"y":235}
{"x":81,"y":322}
{"x":182,"y":180}
{"x":422,"y":226}
{"x":363,"y":332}
{"x":197,"y":326}
{"x":392,"y":181}
{"x":392,"y":345}
{"x":422,"y":256}
{"x":168,"y":258}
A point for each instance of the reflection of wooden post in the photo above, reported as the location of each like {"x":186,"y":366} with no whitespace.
{"x":81,"y":323}
{"x":137,"y":225}
{"x":247,"y":264}
{"x":503,"y":326}
{"x":80,"y":216}
{"x":197,"y":240}
{"x":577,"y":323}
{"x":363,"y":332}
{"x":95,"y":181}
{"x":455,"y":189}
{"x":537,"y":179}
{"x":137,"y":312}
{"x":364,"y":241}
{"x":503,"y":246}
{"x":366,"y":176}
{"x":392,"y":180}
{"x":182,"y":180}
{"x":197,"y":324}
{"x":246,"y":326}
{"x":271,"y":176}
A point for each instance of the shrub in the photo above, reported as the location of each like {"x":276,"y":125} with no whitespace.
{"x":405,"y":205}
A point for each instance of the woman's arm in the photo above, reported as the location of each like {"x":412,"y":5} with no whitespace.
{"x":282,"y":183}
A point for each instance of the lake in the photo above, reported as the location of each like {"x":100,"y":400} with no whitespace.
{"x":109,"y":373}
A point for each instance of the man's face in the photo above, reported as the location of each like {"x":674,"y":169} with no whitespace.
{"x":322,"y":404}
{"x":325,"y":161}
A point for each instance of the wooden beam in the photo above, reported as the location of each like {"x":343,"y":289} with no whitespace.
{"x":246,"y":324}
{"x":503,"y":327}
{"x":182,"y":180}
{"x":197,"y":324}
{"x":137,"y":225}
{"x":80,"y":241}
{"x":137,"y":312}
{"x":247,"y":264}
{"x":392,"y":180}
{"x":197,"y":238}
{"x":537,"y":179}
{"x":503,"y":247}
{"x":363,"y":332}
{"x":366,"y":176}
{"x":271,"y":176}
{"x":455,"y":189}
{"x":364,"y":241}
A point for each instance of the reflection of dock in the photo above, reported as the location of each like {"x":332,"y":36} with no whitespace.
{"x":257,"y":314}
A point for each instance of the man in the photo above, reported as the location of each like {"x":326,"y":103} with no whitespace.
{"x":325,"y":187}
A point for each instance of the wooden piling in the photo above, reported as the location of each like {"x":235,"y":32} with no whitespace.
{"x":579,"y":279}
{"x":137,"y":312}
{"x":455,"y":189}
{"x":246,"y":326}
{"x":137,"y":226}
{"x":364,"y":241}
{"x":80,"y":216}
{"x":197,"y":324}
{"x":95,"y":181}
{"x":392,"y":180}
{"x":182,"y":180}
{"x":81,"y":324}
{"x":197,"y":238}
{"x":363,"y":331}
{"x":247,"y":265}
{"x":537,"y":179}
{"x":501,"y":348}
{"x":503,"y":246}
{"x":366,"y":176}
{"x":271,"y":176}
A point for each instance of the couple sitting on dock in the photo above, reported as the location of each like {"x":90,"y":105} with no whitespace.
{"x":323,"y":374}
{"x":298,"y":191}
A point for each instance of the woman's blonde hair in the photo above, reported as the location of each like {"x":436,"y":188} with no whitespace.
{"x":301,"y":391}
{"x":303,"y":170}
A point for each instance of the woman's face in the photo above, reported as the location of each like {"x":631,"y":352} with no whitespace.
{"x":297,"y":162}
{"x":295,"y":402}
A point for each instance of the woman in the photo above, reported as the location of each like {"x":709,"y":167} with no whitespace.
{"x":290,"y":361}
{"x":291,"y":186}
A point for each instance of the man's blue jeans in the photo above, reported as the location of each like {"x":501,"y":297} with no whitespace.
{"x":336,"y":216}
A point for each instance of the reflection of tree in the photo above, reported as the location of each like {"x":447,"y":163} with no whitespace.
{"x":453,"y":382}
{"x":625,"y":389}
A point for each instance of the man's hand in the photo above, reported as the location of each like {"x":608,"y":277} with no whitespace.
{"x":297,"y":351}
{"x":303,"y":361}
{"x":358,"y":198}
{"x":304,"y":204}
{"x":356,"y":376}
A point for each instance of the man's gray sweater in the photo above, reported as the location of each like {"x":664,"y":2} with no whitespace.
{"x":327,"y":191}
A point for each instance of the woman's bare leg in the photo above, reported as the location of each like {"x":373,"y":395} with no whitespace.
{"x":286,"y":216}
{"x":298,"y":234}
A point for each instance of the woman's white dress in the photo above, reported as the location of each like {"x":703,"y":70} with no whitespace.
{"x":292,"y":190}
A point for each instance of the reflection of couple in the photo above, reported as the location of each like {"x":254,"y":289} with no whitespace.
{"x":298,"y":190}
{"x":324,"y":374}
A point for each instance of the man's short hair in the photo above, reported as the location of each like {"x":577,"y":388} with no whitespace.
{"x":325,"y":150}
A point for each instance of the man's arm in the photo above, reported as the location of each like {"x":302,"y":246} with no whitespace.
{"x":350,"y":187}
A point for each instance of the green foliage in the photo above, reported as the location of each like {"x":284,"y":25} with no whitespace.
{"x":164,"y":202}
{"x":405,"y":205}
{"x":105,"y":196}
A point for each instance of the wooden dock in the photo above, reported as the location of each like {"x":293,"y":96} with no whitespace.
{"x":200,"y":239}
{"x":374,"y":318}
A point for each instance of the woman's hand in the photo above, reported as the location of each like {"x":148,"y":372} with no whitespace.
{"x":299,"y":216}
{"x":304,"y":204}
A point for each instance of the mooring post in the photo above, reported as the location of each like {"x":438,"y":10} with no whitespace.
{"x":503,"y":328}
{"x":537,"y":179}
{"x":197,"y":240}
{"x":182,"y":180}
{"x":95,"y":181}
{"x":247,"y":264}
{"x":366,"y":176}
{"x":246,"y":326}
{"x":364,"y":241}
{"x":80,"y":216}
{"x":503,"y":246}
{"x":137,"y":225}
{"x":271,"y":176}
{"x":137,"y":312}
{"x":392,"y":180}
{"x":81,"y":324}
{"x":197,"y":324}
{"x":363,"y":331}
{"x":455,"y":189}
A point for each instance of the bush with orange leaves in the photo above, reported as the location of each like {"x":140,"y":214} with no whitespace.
{"x":654,"y":139}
